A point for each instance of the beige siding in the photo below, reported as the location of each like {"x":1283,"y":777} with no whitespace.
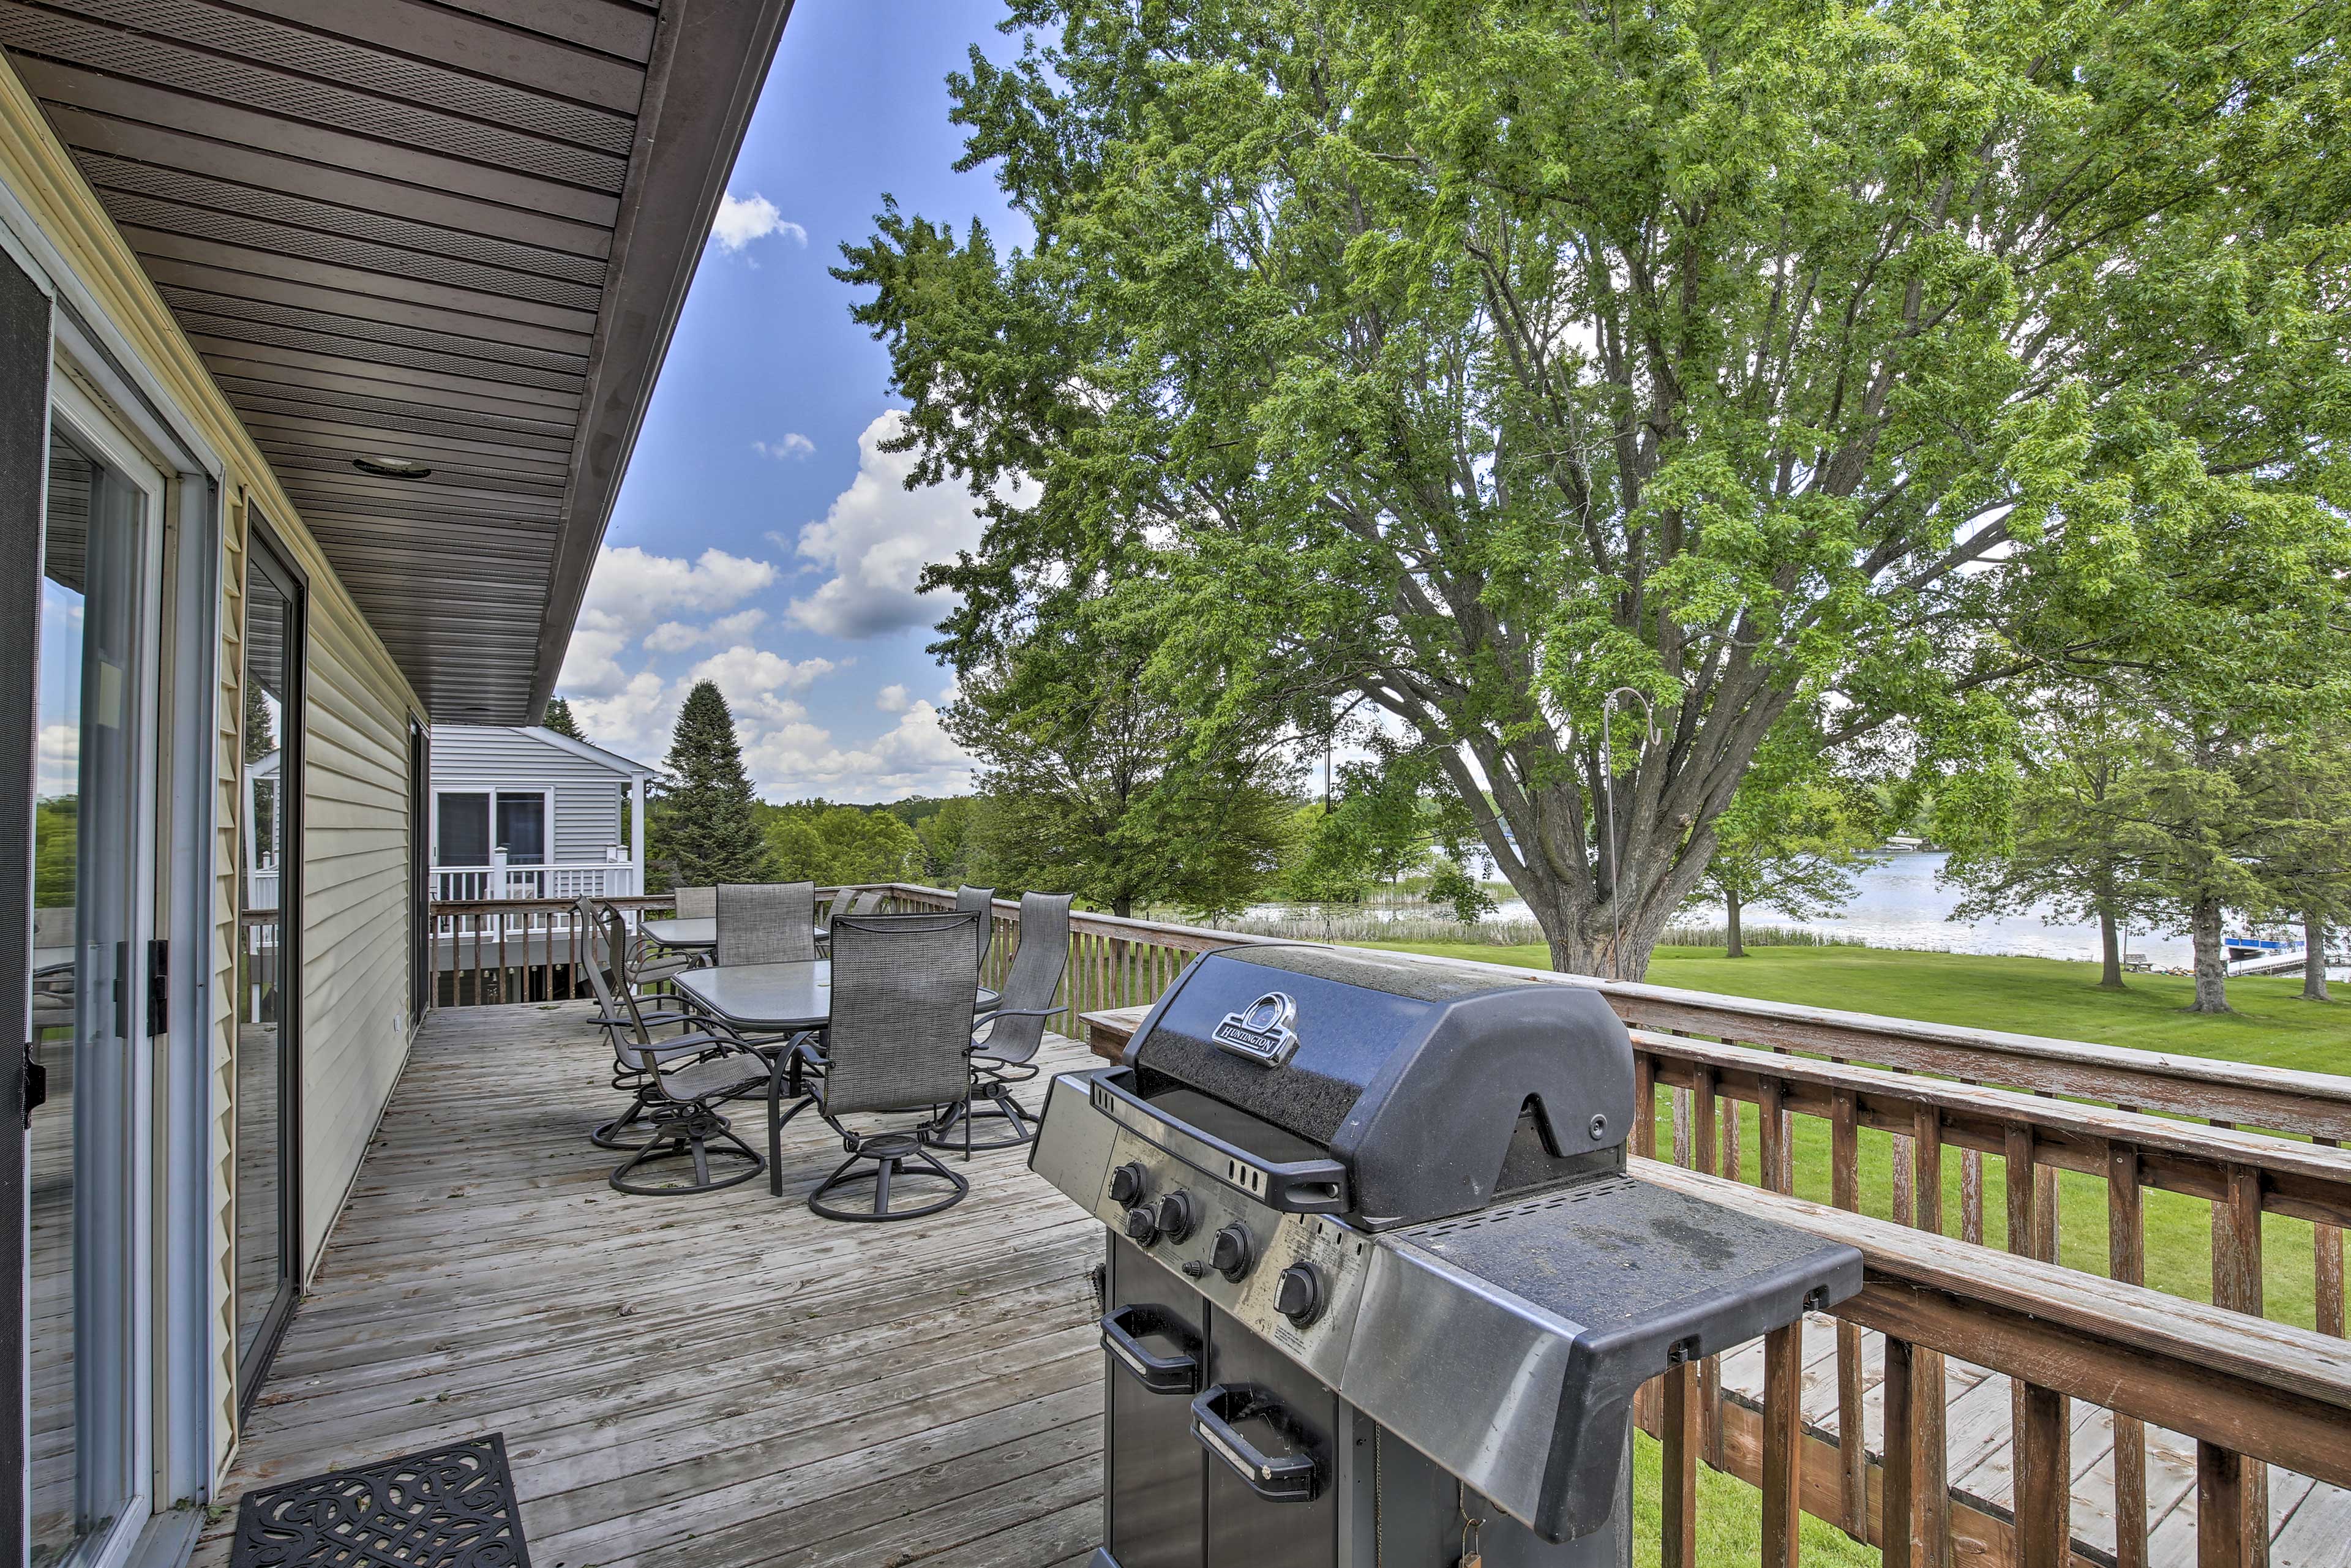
{"x":355,"y":953}
{"x":354,"y":902}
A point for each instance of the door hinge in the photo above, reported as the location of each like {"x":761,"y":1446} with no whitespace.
{"x":36,"y":1086}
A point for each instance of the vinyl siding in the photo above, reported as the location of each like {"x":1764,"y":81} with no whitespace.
{"x":588,"y":794}
{"x":355,"y":955}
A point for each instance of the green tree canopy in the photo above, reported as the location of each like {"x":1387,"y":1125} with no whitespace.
{"x":705,"y":829}
{"x":1473,"y":357}
{"x":1096,"y":785}
{"x":1791,"y":836}
{"x":2053,"y":829}
{"x":558,"y":719}
{"x":839,"y":846}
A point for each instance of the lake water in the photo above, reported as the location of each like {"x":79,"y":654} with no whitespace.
{"x":1898,"y":902}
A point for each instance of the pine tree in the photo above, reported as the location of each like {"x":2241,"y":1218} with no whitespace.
{"x":559,"y":720}
{"x":705,"y":824}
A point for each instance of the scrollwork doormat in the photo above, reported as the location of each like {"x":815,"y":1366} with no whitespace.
{"x":445,"y":1508}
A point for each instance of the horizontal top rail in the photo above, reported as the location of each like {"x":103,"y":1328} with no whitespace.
{"x":2309,"y":1181}
{"x":2263,"y":1389}
{"x":2313,"y":1105}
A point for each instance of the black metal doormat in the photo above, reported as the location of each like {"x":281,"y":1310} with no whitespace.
{"x":444,"y":1508}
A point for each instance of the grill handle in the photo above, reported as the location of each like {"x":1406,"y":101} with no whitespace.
{"x":1288,"y":1478}
{"x":1121,"y":1333}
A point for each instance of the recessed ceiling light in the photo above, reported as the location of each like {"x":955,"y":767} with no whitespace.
{"x":392,"y":468}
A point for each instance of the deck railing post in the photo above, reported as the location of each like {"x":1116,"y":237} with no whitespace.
{"x":2041,"y":1429}
{"x":1852,"y":1452}
{"x":2219,"y":1507}
{"x":1897,"y":1520}
{"x":2326,"y":1267}
{"x":2237,"y":1285}
{"x":1784,"y":1443}
{"x":1703,"y":1156}
{"x":1680,"y":1437}
{"x":2126,"y":1261}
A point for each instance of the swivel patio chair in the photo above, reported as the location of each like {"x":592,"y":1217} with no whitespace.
{"x":1006,"y":1054}
{"x":627,"y":1024}
{"x":766,"y":922}
{"x":901,"y":1010}
{"x":679,"y":1084}
{"x":981,"y":901}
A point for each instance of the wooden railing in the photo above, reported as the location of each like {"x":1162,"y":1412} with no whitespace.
{"x":495,"y":950}
{"x":2250,"y":1394}
{"x":1798,"y":1073}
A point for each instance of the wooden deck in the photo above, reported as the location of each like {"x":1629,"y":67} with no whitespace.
{"x":718,"y":1380}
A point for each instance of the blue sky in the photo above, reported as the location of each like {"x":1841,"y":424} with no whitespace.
{"x":761,"y":538}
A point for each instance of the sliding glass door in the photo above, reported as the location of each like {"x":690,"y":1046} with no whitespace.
{"x":268,"y":1031}
{"x":93,"y":886}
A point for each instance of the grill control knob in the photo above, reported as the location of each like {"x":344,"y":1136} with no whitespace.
{"x":1141,"y":1226}
{"x":1127,"y":1182}
{"x":1178,"y":1215}
{"x":1232,"y":1252}
{"x":1298,"y":1294}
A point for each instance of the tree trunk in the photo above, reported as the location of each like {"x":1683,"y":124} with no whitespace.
{"x":2212,"y":958}
{"x":1731,"y":908}
{"x":2313,"y":958}
{"x":1123,"y":906}
{"x":2110,"y":952}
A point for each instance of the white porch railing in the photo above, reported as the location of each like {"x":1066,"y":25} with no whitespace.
{"x":594,"y":879}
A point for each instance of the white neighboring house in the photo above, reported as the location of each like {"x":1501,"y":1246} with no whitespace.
{"x":524,"y":813}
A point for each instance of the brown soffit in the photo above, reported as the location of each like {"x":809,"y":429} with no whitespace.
{"x":455,"y":233}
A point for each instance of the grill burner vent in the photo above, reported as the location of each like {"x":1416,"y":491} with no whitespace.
{"x":1611,"y":1186}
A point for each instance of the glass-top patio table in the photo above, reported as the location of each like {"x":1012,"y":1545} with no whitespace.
{"x":685,"y":936}
{"x":773,"y":998}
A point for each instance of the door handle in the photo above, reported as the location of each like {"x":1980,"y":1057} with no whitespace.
{"x":1287,"y":1478}
{"x":1121,"y":1333}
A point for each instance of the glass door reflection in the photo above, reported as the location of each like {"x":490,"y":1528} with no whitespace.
{"x":88,"y":1006}
{"x":268,"y":1136}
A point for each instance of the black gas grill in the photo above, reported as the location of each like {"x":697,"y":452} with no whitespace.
{"x":1377,"y":1271}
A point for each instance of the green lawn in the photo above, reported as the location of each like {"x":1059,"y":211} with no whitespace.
{"x":2032,"y":996}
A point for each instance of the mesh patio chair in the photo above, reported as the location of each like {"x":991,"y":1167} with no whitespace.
{"x":766,"y":922}
{"x":902,"y":1009}
{"x":981,"y":901}
{"x":679,"y":1083}
{"x":629,"y":1025}
{"x":1005,"y":1055}
{"x":696,"y":903}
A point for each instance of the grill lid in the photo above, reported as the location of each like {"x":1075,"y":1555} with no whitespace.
{"x":1435,"y":1085}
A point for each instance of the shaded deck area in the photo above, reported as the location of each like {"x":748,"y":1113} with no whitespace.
{"x":721,"y":1380}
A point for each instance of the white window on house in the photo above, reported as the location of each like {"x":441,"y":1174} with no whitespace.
{"x":470,"y":824}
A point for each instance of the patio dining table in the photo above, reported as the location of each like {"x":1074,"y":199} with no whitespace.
{"x":685,"y":936}
{"x":774,"y":998}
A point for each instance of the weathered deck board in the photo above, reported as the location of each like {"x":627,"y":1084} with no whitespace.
{"x":724,"y":1379}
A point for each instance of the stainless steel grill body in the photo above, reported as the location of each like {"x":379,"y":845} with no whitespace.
{"x":1331,"y":1386}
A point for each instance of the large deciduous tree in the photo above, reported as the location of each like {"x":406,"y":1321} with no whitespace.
{"x":1475,"y":357}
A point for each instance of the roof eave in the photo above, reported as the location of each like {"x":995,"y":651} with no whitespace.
{"x":710,"y":58}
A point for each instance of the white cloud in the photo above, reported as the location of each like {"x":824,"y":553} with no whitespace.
{"x":677,"y":636}
{"x":915,"y":756}
{"x":633,"y":589}
{"x":877,"y":539}
{"x":633,"y":718}
{"x":58,"y":759}
{"x":793,"y":445}
{"x":742,"y":220}
{"x":892,"y":699}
